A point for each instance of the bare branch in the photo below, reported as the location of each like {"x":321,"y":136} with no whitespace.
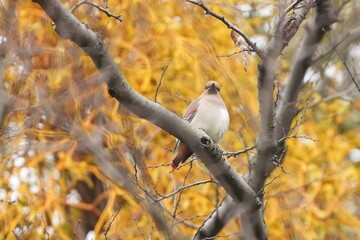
{"x":237,"y":52}
{"x":341,"y":95}
{"x":229,"y":25}
{"x":300,"y":186}
{"x":177,"y":201}
{"x":186,"y":187}
{"x":287,"y":110}
{"x":350,"y":34}
{"x":298,"y":137}
{"x":181,"y":97}
{"x":161,"y":165}
{"x":180,"y":220}
{"x":162,"y":75}
{"x":76,"y":227}
{"x":137,"y":226}
{"x":112,"y":219}
{"x":106,"y":11}
{"x":190,"y":218}
{"x":226,"y":210}
{"x":277,"y":160}
{"x":234,"y":154}
{"x":267,"y":184}
{"x":267,"y":69}
{"x":342,"y":60}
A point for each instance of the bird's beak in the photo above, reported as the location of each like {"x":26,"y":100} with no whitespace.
{"x":212,"y":89}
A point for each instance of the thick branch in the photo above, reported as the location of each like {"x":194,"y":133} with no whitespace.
{"x":287,"y":107}
{"x":69,"y":27}
{"x":226,"y":211}
{"x":266,"y":141}
{"x":267,"y":69}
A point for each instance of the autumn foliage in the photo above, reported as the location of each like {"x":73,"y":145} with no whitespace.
{"x":58,"y":120}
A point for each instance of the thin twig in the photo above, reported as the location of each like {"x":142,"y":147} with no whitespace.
{"x":176,"y":203}
{"x":186,"y":187}
{"x":300,"y":186}
{"x":343,"y":61}
{"x":76,"y":227}
{"x":342,"y":95}
{"x":267,"y":184}
{"x":229,"y":25}
{"x":237,"y":52}
{"x":188,"y":162}
{"x":333,"y":46}
{"x":157,"y":166}
{"x":139,"y":185}
{"x":106,"y":11}
{"x":277,"y":160}
{"x":298,"y":137}
{"x":137,"y":226}
{"x":299,"y":122}
{"x":162,"y":75}
{"x":190,"y":218}
{"x":112,"y":218}
{"x":183,"y":221}
{"x":181,"y":97}
{"x":234,"y":154}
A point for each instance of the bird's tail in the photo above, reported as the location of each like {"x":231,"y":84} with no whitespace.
{"x":183,"y":153}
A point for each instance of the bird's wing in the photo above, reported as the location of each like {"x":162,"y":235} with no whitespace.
{"x":189,"y":114}
{"x":191,"y":110}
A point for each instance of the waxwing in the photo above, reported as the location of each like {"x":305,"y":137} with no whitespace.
{"x":208,"y":113}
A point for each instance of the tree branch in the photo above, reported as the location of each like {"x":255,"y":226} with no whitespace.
{"x":266,"y":141}
{"x":349,"y":37}
{"x":343,"y":61}
{"x":287,"y":107}
{"x":162,"y":75}
{"x":207,"y":10}
{"x":217,"y":220}
{"x":106,"y":11}
{"x":68,"y":27}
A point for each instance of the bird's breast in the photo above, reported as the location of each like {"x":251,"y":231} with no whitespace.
{"x":213,"y":119}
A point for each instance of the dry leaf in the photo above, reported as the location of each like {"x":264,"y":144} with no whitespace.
{"x":244,"y":48}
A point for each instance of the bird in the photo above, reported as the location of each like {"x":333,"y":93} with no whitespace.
{"x":208,"y":113}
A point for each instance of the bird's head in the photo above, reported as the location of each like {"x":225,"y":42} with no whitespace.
{"x":212,"y":87}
